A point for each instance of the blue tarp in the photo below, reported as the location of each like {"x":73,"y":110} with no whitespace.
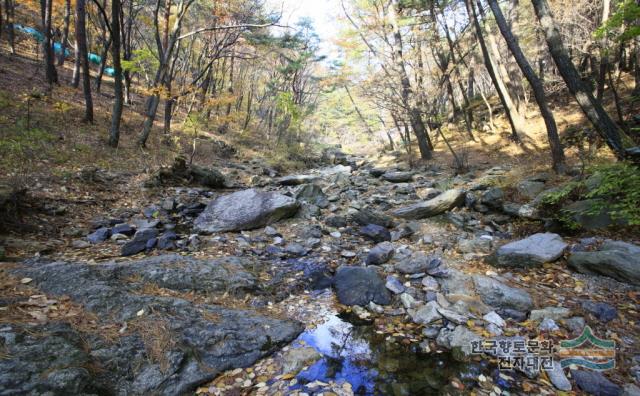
{"x":57,"y":48}
{"x":109,"y":71}
{"x":93,"y":58}
{"x":30,"y":31}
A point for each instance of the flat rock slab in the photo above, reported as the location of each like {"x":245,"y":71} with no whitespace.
{"x":397,"y":177}
{"x":499,"y":295}
{"x":534,"y":250}
{"x":433,"y":207}
{"x":245,"y":210}
{"x":295,"y":180}
{"x":166,"y":346}
{"x":360,"y":286}
{"x":615,"y":259}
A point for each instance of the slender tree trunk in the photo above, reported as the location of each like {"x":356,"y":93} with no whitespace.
{"x":604,"y":56}
{"x":83,"y":57}
{"x":355,"y":106}
{"x":118,"y":102}
{"x":590,"y":106}
{"x":557,"y":153}
{"x":9,"y":11}
{"x":49,"y":57}
{"x":414,"y":113}
{"x":517,"y":127}
{"x":65,"y":32}
{"x":103,"y":62}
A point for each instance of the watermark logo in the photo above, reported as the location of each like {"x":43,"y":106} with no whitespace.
{"x":588,"y":351}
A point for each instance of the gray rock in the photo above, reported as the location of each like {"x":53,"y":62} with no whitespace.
{"x":497,"y":294}
{"x":630,"y":390}
{"x":140,"y":241}
{"x":245,"y":210}
{"x":375,"y":233}
{"x":124,"y":229}
{"x":99,"y":235}
{"x":481,"y":244}
{"x":555,"y":313}
{"x":493,"y":198}
{"x":534,"y":250}
{"x":198,"y":341}
{"x":426,"y":314}
{"x":594,"y":383}
{"x":459,"y":340}
{"x":558,"y":378}
{"x":394,"y":285}
{"x":615,"y":259}
{"x":493,"y":317}
{"x":591,"y":221}
{"x":430,"y":283}
{"x":294,"y":180}
{"x":359,"y":286}
{"x":602,"y":311}
{"x":418,"y":262}
{"x":296,"y":358}
{"x":296,"y":249}
{"x":529,"y":188}
{"x":313,"y":194}
{"x":440,"y":204}
{"x":380,"y":254}
{"x":453,"y":316}
{"x":548,"y":324}
{"x":575,"y":324}
{"x":336,"y":221}
{"x":397,"y":177}
{"x":408,"y":301}
{"x":366,"y":216}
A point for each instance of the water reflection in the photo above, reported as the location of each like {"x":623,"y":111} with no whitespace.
{"x":354,"y":353}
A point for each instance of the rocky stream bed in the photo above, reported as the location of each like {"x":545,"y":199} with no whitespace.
{"x":350,"y":279}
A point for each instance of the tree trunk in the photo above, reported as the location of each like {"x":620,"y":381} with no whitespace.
{"x":65,"y":32}
{"x":517,"y":127}
{"x":604,"y":56}
{"x":49,"y":57}
{"x":9,"y":9}
{"x":414,"y":113}
{"x":362,"y":119}
{"x":103,"y":62}
{"x":557,"y":153}
{"x":83,"y":57}
{"x":118,"y":102}
{"x":589,"y":105}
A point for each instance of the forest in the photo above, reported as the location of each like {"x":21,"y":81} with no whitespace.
{"x":338,"y":197}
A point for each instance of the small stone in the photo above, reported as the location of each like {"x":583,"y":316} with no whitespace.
{"x":555,"y":313}
{"x":430,"y":283}
{"x":393,"y":284}
{"x":548,"y":325}
{"x":336,"y":234}
{"x":493,"y":317}
{"x":380,"y":254}
{"x":602,"y":311}
{"x":558,"y":378}
{"x":375,"y":233}
{"x":80,"y":244}
{"x":99,"y":235}
{"x":426,"y":314}
{"x":407,"y":300}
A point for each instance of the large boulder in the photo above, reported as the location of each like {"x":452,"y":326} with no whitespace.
{"x":440,"y":204}
{"x":534,"y":250}
{"x":582,"y":214}
{"x":181,"y":173}
{"x":360,"y":286}
{"x":245,"y":210}
{"x":615,"y":259}
{"x":166,"y":345}
{"x":497,"y":294}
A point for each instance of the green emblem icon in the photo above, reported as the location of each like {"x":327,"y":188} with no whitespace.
{"x":588,"y":351}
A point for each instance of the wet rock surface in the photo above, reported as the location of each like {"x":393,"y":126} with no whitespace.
{"x":199,"y":340}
